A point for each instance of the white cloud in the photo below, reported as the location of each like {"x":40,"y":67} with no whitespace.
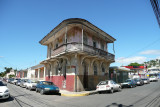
{"x":126,"y":61}
{"x":151,"y":52}
{"x":1,"y":56}
{"x":158,"y":57}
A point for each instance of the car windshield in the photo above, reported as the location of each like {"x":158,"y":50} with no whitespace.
{"x":19,"y":80}
{"x":25,"y":80}
{"x":33,"y":81}
{"x":12,"y":79}
{"x":144,"y":79}
{"x":48,"y":83}
{"x":1,"y":83}
{"x":128,"y":81}
{"x":103,"y":83}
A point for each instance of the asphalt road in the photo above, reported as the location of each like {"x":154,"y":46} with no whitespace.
{"x":141,"y":96}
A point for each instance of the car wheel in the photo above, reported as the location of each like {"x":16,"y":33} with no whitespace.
{"x":42,"y":92}
{"x":36,"y":90}
{"x":8,"y":98}
{"x":111,"y":91}
{"x":99,"y":92}
{"x":119,"y":89}
{"x":30,"y":88}
{"x":131,"y":86}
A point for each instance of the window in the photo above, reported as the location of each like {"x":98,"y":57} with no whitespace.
{"x":102,"y":46}
{"x":103,"y":69}
{"x":85,"y":39}
{"x":94,"y":44}
{"x":56,"y":44}
{"x":56,"y":69}
{"x":95,"y":69}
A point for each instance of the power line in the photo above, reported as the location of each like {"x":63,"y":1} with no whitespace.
{"x":152,"y":43}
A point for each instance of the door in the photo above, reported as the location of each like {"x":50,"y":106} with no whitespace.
{"x":85,"y":77}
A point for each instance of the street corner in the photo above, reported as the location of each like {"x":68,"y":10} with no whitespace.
{"x":78,"y":94}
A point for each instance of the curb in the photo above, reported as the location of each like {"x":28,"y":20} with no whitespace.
{"x":78,"y":95}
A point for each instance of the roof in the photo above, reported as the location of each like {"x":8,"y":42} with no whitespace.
{"x":75,"y":21}
{"x":37,"y":66}
{"x":119,"y":68}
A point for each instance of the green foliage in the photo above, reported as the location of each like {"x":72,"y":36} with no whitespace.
{"x":2,"y":74}
{"x":7,"y":70}
{"x":11,"y":76}
{"x":135,"y":64}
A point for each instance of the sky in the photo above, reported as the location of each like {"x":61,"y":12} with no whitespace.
{"x":23,"y":23}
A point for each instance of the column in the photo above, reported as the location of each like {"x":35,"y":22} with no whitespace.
{"x":44,"y":74}
{"x":82,"y":37}
{"x":38,"y":73}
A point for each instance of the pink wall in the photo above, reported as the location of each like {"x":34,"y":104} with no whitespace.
{"x":58,"y":81}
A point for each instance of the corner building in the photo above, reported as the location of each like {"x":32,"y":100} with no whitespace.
{"x":77,"y":55}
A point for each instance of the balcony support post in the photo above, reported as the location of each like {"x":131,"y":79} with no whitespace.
{"x":66,"y":36}
{"x":82,"y":37}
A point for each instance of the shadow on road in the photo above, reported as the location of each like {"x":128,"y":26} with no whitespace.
{"x":118,"y":105}
{"x":6,"y":100}
{"x":58,"y":94}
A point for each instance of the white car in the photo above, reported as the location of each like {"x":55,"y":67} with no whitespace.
{"x":108,"y":85}
{"x":146,"y":80}
{"x":153,"y":78}
{"x":31,"y":84}
{"x":4,"y":91}
{"x":15,"y":81}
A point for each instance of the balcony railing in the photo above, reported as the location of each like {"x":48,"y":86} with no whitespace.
{"x":71,"y":47}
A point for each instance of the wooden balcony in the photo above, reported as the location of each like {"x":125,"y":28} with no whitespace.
{"x":72,"y":47}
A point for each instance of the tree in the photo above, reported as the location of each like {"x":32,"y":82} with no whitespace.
{"x":7,"y":70}
{"x":153,"y":62}
{"x":135,"y":64}
{"x":11,"y":76}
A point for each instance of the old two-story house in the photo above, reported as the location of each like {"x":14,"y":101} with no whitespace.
{"x":77,"y":55}
{"x":36,"y":72}
{"x":21,"y":73}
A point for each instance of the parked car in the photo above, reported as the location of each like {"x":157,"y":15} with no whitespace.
{"x":4,"y":91}
{"x":31,"y":84}
{"x":139,"y":81}
{"x":153,"y":78}
{"x":23,"y":83}
{"x":11,"y":80}
{"x":108,"y":86}
{"x":146,"y":80}
{"x":128,"y":83}
{"x":15,"y":81}
{"x":18,"y":82}
{"x":46,"y":87}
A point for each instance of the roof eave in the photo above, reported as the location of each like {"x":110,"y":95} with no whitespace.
{"x":71,"y":21}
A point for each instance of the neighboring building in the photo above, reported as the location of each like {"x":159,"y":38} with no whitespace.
{"x":10,"y":73}
{"x":138,"y":71}
{"x":154,"y":71}
{"x":36,"y":72}
{"x":77,"y":55}
{"x":22,"y":73}
{"x":119,"y":74}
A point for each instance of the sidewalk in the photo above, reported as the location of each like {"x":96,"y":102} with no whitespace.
{"x":76,"y":94}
